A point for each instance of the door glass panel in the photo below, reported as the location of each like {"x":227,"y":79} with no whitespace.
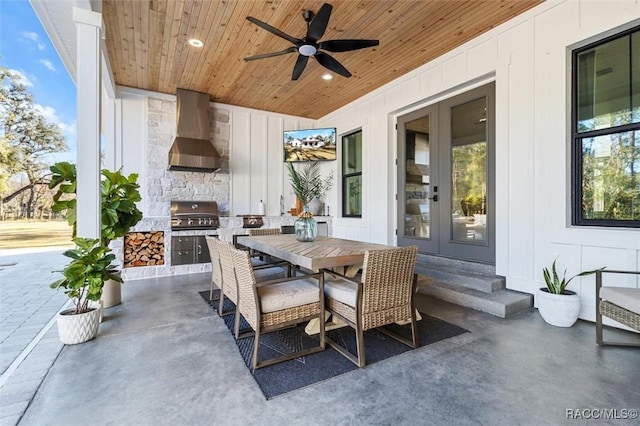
{"x":469,"y":172}
{"x":417,"y":177}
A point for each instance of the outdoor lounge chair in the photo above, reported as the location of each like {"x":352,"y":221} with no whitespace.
{"x":383,"y":296}
{"x":273,"y":305}
{"x":621,"y":304}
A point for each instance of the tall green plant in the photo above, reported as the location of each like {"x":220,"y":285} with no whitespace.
{"x":556,"y":285}
{"x":307,"y":183}
{"x":84,"y":277}
{"x":119,"y":193}
{"x":119,"y":211}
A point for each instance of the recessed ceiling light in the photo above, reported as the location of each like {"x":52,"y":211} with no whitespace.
{"x":327,"y":76}
{"x":195,"y":42}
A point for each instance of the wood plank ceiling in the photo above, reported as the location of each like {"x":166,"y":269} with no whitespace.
{"x":147,"y":46}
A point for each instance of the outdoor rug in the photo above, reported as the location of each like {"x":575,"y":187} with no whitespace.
{"x":298,"y":373}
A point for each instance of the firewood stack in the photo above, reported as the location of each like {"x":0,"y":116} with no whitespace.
{"x":143,"y":249}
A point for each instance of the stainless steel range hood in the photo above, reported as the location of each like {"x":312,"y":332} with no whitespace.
{"x":192,"y":150}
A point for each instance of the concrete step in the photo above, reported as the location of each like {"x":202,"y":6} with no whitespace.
{"x":501,"y":303}
{"x":462,"y":265}
{"x":471,"y":275}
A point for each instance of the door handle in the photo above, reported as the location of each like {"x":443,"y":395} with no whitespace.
{"x":434,"y":198}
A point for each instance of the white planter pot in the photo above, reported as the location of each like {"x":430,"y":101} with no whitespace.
{"x":79,"y":328}
{"x":561,"y":310}
{"x":111,"y":293}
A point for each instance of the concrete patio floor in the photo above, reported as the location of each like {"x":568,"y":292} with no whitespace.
{"x":163,"y":357}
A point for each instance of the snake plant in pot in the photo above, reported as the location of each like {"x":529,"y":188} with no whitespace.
{"x":83,"y":280}
{"x":557,"y":305}
{"x":119,"y":213}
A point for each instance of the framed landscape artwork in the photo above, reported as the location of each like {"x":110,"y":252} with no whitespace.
{"x":310,"y":144}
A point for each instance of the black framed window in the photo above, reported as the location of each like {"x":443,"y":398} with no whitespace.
{"x":606,"y":132}
{"x":352,"y":174}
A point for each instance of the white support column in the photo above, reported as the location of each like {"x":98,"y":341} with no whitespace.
{"x":111,"y":153}
{"x":109,"y":132}
{"x":117,"y":131}
{"x":88,"y":87}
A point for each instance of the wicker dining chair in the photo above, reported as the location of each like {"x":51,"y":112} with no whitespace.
{"x":384,"y":295}
{"x":621,"y":304}
{"x":260,"y":232}
{"x":264,"y":231}
{"x":216,"y":273}
{"x":277,"y":304}
{"x":229,"y":287}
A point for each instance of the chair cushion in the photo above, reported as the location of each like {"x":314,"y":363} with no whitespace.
{"x":625,"y":297}
{"x":277,"y":297}
{"x":341,"y":290}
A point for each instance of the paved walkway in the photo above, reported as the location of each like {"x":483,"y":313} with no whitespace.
{"x":29,"y":341}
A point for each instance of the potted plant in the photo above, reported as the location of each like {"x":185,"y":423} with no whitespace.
{"x":557,"y":305}
{"x":83,"y":281}
{"x":119,"y":213}
{"x":307,"y":184}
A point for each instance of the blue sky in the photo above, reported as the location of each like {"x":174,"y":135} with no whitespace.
{"x":25,"y":47}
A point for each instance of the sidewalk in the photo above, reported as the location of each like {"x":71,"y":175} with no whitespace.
{"x":28,"y":337}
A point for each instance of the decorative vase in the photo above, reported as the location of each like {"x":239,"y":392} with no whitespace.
{"x":78,"y":328}
{"x":306,"y":227}
{"x":561,"y":310}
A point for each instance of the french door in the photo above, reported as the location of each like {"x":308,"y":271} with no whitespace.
{"x":446,"y":179}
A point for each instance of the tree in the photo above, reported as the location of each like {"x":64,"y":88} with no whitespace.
{"x":27,"y":139}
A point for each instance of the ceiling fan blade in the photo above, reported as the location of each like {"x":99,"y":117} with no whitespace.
{"x":319,"y":23}
{"x":301,"y":63}
{"x":346,"y":45}
{"x":331,"y":64}
{"x":269,"y":55}
{"x":273,"y":30}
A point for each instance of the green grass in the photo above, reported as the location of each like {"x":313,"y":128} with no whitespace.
{"x":34,"y":233}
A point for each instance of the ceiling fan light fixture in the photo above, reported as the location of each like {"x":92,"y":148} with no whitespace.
{"x":327,"y":76}
{"x":310,"y":44}
{"x":195,"y":42}
{"x":307,"y":50}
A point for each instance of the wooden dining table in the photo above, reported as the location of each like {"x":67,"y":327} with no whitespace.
{"x":324,"y":252}
{"x":344,"y":256}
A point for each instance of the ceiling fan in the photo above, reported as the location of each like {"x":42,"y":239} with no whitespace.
{"x":310,"y":44}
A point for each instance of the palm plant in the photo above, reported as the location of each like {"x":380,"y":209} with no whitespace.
{"x":307,"y":183}
{"x":556,"y":285}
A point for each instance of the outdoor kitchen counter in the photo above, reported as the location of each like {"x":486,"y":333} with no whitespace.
{"x":230,"y":226}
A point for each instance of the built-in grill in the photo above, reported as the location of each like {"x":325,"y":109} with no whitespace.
{"x":251,"y":221}
{"x":194,"y":215}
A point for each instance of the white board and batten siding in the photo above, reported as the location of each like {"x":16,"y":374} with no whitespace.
{"x":256,"y":160}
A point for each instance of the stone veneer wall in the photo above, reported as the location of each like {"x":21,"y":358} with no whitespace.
{"x":162,"y":186}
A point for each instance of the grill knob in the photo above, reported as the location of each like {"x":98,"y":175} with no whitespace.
{"x":178,"y":222}
{"x":190,"y":222}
